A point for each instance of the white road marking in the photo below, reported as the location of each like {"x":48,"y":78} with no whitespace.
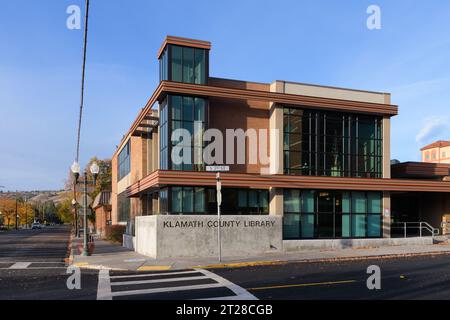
{"x":152,"y":274}
{"x":167,"y":289}
{"x":123,"y":283}
{"x":20,"y":265}
{"x":104,"y":286}
{"x":241,"y":293}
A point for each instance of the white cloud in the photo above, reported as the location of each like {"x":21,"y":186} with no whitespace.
{"x":432,"y":128}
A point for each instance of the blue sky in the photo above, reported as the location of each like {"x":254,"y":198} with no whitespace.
{"x":320,"y":42}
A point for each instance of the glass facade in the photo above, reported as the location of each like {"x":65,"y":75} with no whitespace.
{"x":123,"y":207}
{"x":202,"y":200}
{"x":319,"y":143}
{"x":123,"y":161}
{"x":331,"y":214}
{"x":183,"y":112}
{"x":184,"y":64}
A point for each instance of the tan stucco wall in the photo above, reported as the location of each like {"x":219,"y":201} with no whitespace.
{"x":442,"y":155}
{"x":334,"y":93}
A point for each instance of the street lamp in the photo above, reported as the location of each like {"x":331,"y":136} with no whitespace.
{"x":75,"y":168}
{"x":95,"y":169}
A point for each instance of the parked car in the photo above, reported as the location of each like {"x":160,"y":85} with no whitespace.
{"x":36,"y":226}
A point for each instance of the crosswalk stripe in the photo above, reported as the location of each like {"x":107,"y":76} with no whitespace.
{"x":104,"y":286}
{"x":153,"y":274}
{"x":123,"y":283}
{"x":20,"y":265}
{"x":239,"y":291}
{"x":166,"y":289}
{"x":105,"y":283}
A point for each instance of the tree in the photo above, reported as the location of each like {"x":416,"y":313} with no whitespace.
{"x":64,"y":211}
{"x":8,"y":209}
{"x":103,"y":182}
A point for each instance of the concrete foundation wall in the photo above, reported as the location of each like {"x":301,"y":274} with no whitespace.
{"x":298,"y":245}
{"x":145,"y":233}
{"x":162,"y":236}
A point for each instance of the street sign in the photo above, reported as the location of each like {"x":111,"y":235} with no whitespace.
{"x":217,"y":168}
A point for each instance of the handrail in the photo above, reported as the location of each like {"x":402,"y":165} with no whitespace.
{"x":420,"y":225}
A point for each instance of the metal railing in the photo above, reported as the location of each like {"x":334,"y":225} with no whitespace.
{"x":419,"y":228}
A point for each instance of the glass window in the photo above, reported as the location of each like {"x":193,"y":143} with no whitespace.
{"x":200,"y":66}
{"x":188,"y":65}
{"x":199,"y":200}
{"x":307,"y":221}
{"x":123,"y":207}
{"x":177,"y":63}
{"x":188,"y":106}
{"x":308,"y":201}
{"x":177,"y":199}
{"x":199,"y":112}
{"x":252,"y":199}
{"x":291,"y":226}
{"x":331,"y":144}
{"x":188,"y":200}
{"x":358,"y":202}
{"x":335,"y":214}
{"x":292,"y":200}
{"x":374,"y":202}
{"x":374,"y":225}
{"x":358,"y":225}
{"x":242,"y":198}
{"x":345,"y":225}
{"x":124,"y":163}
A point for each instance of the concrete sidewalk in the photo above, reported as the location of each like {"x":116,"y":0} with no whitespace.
{"x":108,"y":255}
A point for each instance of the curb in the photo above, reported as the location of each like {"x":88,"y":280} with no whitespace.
{"x":339,"y":259}
{"x":69,"y":260}
{"x":87,"y":266}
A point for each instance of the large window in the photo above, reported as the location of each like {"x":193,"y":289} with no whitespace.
{"x":184,"y":64}
{"x":164,"y":136}
{"x":183,"y":112}
{"x":124,"y":161}
{"x":123,"y":207}
{"x":332,"y":144}
{"x":331,"y":214}
{"x":202,"y":200}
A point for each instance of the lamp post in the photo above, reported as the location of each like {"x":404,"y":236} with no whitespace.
{"x":94,"y":168}
{"x":75,"y":168}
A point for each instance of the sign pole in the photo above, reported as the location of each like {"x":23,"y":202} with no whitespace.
{"x":219,"y":202}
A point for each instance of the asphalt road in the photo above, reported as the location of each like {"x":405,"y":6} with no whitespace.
{"x":401,"y":278}
{"x":32,"y":267}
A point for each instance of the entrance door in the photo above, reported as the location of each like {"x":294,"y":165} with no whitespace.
{"x":325,"y":218}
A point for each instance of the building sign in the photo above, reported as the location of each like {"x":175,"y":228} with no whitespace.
{"x":223,"y":224}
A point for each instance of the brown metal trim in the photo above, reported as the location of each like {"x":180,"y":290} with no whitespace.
{"x":246,"y":94}
{"x":189,"y":178}
{"x":424,"y":169}
{"x":277,"y":97}
{"x":184,"y":42}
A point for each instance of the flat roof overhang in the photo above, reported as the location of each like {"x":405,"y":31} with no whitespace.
{"x":169,"y":87}
{"x":420,"y":170}
{"x":161,"y":178}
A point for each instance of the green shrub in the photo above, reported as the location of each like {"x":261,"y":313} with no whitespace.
{"x":115,"y":233}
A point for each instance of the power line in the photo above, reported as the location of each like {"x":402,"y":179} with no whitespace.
{"x":82,"y":79}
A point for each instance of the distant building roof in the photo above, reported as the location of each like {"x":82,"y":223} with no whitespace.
{"x":102,"y":199}
{"x":437,"y":144}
